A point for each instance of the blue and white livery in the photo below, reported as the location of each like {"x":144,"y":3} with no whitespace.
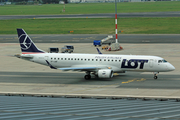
{"x":100,"y":65}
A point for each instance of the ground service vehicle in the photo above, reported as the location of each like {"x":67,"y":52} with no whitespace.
{"x":67,"y":48}
{"x":107,"y":40}
{"x":97,"y":43}
{"x":53,"y":50}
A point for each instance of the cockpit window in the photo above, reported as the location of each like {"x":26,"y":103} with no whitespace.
{"x":159,"y":61}
{"x":162,"y":61}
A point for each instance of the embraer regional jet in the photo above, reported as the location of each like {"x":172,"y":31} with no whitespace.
{"x":100,"y":65}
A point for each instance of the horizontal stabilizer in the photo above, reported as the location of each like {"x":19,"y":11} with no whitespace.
{"x":24,"y":56}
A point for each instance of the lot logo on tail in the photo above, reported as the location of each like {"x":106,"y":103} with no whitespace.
{"x":25,"y":42}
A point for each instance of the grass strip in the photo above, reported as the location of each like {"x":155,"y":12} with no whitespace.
{"x":88,"y":8}
{"x":93,"y":26}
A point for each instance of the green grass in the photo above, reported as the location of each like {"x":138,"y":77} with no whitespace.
{"x":87,"y":8}
{"x":93,"y":26}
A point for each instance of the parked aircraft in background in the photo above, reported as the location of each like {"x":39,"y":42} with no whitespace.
{"x":100,"y":65}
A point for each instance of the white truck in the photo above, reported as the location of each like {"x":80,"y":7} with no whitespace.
{"x":67,"y":49}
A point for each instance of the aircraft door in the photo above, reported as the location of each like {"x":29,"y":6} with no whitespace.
{"x":151,"y":63}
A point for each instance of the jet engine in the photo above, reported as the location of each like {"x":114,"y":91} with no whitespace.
{"x":105,"y":73}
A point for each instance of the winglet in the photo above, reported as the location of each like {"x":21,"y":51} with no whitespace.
{"x":98,"y":51}
{"x":50,"y":65}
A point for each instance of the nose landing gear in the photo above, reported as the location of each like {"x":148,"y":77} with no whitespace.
{"x":155,"y":75}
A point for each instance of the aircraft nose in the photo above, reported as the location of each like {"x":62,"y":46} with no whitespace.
{"x":171,"y":67}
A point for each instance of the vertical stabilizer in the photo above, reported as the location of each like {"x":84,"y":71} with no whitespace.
{"x":26,"y":44}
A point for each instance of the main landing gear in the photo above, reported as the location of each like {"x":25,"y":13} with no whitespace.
{"x":155,"y":75}
{"x":87,"y":76}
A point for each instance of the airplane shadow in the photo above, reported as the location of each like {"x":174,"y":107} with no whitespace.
{"x":126,"y":80}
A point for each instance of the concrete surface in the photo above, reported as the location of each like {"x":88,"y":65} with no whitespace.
{"x":23,"y":77}
{"x":104,"y":15}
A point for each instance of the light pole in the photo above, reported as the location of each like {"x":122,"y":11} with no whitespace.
{"x":116,"y":21}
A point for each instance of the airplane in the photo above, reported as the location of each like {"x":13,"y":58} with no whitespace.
{"x":100,"y":65}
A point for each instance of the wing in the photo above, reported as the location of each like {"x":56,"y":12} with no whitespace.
{"x":80,"y":68}
{"x":90,"y":68}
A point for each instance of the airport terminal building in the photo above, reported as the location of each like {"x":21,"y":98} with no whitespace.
{"x":96,"y":1}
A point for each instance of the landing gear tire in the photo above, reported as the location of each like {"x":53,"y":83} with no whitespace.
{"x":87,"y":77}
{"x":155,"y":77}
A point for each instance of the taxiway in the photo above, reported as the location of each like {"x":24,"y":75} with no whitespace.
{"x":22,"y":77}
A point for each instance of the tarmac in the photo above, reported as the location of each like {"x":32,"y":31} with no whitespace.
{"x":104,"y":15}
{"x":20,"y":77}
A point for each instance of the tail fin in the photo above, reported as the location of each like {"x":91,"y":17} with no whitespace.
{"x":26,"y":44}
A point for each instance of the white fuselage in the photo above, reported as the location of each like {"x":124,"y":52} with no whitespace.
{"x":117,"y":63}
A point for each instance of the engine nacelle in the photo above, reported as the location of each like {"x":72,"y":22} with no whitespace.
{"x":105,"y":73}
